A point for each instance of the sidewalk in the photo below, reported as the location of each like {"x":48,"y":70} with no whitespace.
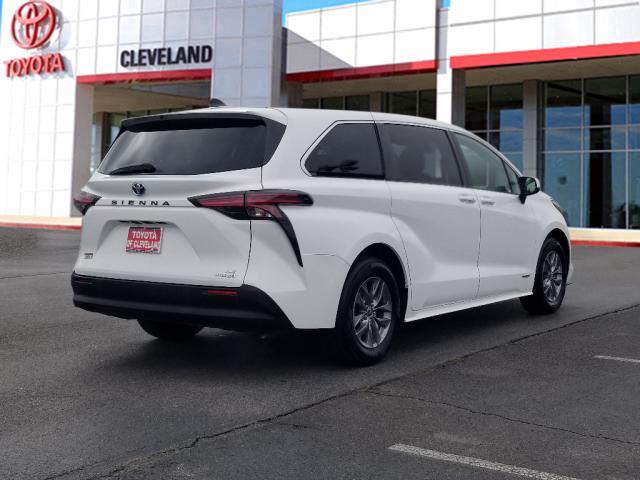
{"x":605,"y":237}
{"x":50,"y":223}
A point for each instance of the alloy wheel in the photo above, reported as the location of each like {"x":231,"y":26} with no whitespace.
{"x":372,"y":312}
{"x":552,"y":276}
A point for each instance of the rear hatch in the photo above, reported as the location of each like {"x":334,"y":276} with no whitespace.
{"x":141,"y":224}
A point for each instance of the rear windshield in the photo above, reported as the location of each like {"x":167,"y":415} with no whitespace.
{"x":192,"y":147}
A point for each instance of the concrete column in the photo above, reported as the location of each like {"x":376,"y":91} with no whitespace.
{"x":450,"y":96}
{"x":82,"y":141}
{"x":450,"y":84}
{"x":248,"y":65}
{"x":530,"y":135}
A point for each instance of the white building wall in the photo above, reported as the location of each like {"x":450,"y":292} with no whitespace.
{"x":46,"y":122}
{"x":36,"y":147}
{"x":494,"y":26}
{"x":248,"y":52}
{"x":450,"y":84}
{"x":378,"y":32}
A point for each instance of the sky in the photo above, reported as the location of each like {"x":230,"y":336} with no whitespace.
{"x":297,"y":5}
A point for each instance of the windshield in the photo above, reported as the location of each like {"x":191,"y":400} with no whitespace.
{"x":189,"y":147}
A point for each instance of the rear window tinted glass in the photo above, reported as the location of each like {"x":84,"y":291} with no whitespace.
{"x":193,"y":147}
{"x":420,"y":155}
{"x":348,"y":150}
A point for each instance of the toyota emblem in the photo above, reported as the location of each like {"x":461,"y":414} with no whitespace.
{"x":33,"y":24}
{"x":138,"y":189}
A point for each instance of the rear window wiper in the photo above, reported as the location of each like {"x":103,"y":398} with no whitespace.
{"x":132,"y":169}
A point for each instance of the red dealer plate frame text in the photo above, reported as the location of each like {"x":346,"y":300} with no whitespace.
{"x":144,"y":240}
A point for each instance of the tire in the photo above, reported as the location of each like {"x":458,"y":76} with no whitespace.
{"x":551,"y":280}
{"x":174,"y":332}
{"x":370,"y":303}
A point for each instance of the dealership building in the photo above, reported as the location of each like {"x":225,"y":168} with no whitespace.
{"x":555,"y":85}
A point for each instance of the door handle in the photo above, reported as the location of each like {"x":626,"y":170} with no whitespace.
{"x":467,"y":199}
{"x":487,"y":201}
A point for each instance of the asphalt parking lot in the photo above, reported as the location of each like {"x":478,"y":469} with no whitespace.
{"x":491,"y":393}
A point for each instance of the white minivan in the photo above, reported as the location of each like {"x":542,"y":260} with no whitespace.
{"x":309,"y":219}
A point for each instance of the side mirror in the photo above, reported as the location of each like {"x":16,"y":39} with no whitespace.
{"x":528,"y":186}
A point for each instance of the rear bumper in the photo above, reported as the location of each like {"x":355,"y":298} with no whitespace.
{"x":244,"y":308}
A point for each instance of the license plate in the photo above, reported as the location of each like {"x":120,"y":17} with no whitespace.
{"x":144,"y":240}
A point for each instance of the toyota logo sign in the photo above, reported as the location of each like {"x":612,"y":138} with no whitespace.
{"x":138,"y":189}
{"x":33,"y":24}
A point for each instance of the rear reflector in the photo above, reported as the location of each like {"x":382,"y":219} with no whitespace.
{"x":258,"y":205}
{"x":222,"y":293}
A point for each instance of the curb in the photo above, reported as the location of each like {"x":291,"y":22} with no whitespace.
{"x":40,"y":226}
{"x":604,"y":243}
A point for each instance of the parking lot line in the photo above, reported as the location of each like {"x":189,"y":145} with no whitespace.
{"x":477,"y":462}
{"x":617,"y":359}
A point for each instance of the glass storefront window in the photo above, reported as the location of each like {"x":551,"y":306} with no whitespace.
{"x":506,"y":107}
{"x":605,"y":180}
{"x":609,"y":138}
{"x":353,"y":102}
{"x":506,"y":140}
{"x":427,"y":103}
{"x":634,"y":138}
{"x":563,"y":104}
{"x":357,"y":102}
{"x":310,"y":103}
{"x":404,"y":103}
{"x":476,"y":106}
{"x":96,"y":150}
{"x":634,"y":99}
{"x":562,"y":182}
{"x":332,"y":103}
{"x":421,"y":103}
{"x":495,"y":114}
{"x":634,"y":190}
{"x":562,"y":139}
{"x":603,"y":142}
{"x":605,"y":101}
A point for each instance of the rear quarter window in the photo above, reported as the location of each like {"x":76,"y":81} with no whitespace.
{"x":348,"y":150}
{"x":194,"y":146}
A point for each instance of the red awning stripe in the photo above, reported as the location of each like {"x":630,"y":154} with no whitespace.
{"x":427,"y":66}
{"x":545,"y":55}
{"x":154,"y":76}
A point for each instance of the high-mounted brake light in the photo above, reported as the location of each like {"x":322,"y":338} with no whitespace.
{"x":258,"y":205}
{"x":84,"y":200}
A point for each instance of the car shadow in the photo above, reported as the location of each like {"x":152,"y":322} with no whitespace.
{"x":229,"y":354}
{"x":462,"y":323}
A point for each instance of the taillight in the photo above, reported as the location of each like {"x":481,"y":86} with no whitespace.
{"x":84,"y":200}
{"x":258,"y":205}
